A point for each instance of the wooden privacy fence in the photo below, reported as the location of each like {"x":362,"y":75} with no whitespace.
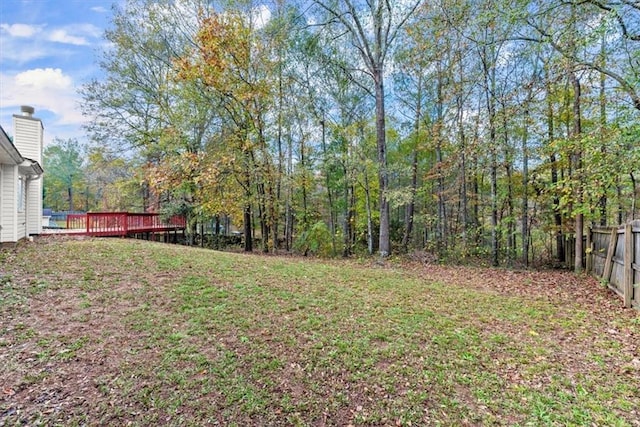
{"x":613,"y":254}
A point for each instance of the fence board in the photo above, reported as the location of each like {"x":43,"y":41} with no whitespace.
{"x":608,"y":264}
{"x":627,"y":283}
{"x":619,"y":263}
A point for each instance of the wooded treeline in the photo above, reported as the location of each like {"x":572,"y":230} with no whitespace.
{"x":467,"y":128}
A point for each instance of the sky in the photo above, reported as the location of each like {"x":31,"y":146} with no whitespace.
{"x":48,"y":49}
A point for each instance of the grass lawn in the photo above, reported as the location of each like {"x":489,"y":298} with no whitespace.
{"x":125,"y":332}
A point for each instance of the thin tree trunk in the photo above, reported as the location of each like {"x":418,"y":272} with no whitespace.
{"x":409,"y":213}
{"x":633,"y":199}
{"x":489,"y":71}
{"x":367,"y":192}
{"x":346,"y":228}
{"x":463,"y":174}
{"x":603,"y":124}
{"x":288,"y":227}
{"x":70,"y":193}
{"x":511,"y":235}
{"x":248,"y":236}
{"x":332,"y":217}
{"x":525,"y":187}
{"x":442,"y":214}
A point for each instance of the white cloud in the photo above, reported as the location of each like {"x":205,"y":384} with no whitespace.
{"x":20,"y":30}
{"x":44,"y":78}
{"x":76,"y":34}
{"x":62,"y":36}
{"x":88,"y":30}
{"x":14,"y":53}
{"x":261,"y":16}
{"x":50,"y":91}
{"x":99,"y":9}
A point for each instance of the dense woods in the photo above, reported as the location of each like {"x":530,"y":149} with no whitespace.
{"x":491,"y":129}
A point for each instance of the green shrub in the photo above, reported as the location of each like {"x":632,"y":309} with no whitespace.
{"x":316,"y":240}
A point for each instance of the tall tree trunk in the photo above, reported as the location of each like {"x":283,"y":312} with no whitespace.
{"x":490,"y":86}
{"x":248,"y":235}
{"x":634,"y":197}
{"x":577,"y":164}
{"x":475,"y":185}
{"x":557,"y":216}
{"x":70,"y":194}
{"x":442,"y":213}
{"x":603,"y":125}
{"x":511,"y":235}
{"x":348,"y":215}
{"x":332,"y":216}
{"x":367,"y":192}
{"x":525,"y":187}
{"x":464,"y":202}
{"x":409,"y":213}
{"x":620,"y":206}
{"x":383,"y":174}
{"x":288,"y":227}
{"x":262,"y":214}
{"x":414,"y":170}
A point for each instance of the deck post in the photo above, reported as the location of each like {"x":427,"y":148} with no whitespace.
{"x":125,"y":221}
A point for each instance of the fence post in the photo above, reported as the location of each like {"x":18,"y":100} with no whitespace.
{"x":628,"y":264}
{"x":608,"y":264}
{"x":589,"y":251}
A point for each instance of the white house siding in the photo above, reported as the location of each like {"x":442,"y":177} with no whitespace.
{"x":28,"y":140}
{"x":22,"y":218}
{"x":22,"y":222}
{"x":34,"y":206}
{"x":9,"y":215}
{"x":1,"y":179}
{"x":28,"y":137}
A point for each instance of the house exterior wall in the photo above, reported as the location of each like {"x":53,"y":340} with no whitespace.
{"x":28,"y":140}
{"x":1,"y":187}
{"x":33,"y":206}
{"x":9,"y":214}
{"x":28,"y":136}
{"x":21,"y":217}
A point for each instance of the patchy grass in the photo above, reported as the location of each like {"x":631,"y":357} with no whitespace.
{"x":115,"y":332}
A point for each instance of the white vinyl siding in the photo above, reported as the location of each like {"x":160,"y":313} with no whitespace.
{"x":9,"y":215}
{"x":20,"y":189}
{"x":21,"y":201}
{"x":1,"y":183}
{"x":34,"y":206}
{"x":28,"y":137}
{"x":21,"y":193}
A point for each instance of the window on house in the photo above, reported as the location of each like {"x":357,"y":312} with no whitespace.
{"x":21,"y":194}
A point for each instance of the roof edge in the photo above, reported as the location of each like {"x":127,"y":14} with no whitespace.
{"x":8,"y":146}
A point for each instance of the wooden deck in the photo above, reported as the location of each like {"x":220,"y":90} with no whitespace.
{"x":119,"y":224}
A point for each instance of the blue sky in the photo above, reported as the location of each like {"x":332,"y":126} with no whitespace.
{"x":48,"y":49}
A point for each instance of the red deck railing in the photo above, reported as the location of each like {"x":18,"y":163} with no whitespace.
{"x":123,"y":223}
{"x":76,"y":221}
